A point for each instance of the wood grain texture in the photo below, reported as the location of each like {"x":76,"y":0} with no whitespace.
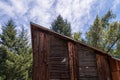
{"x":56,"y":57}
{"x":87,"y":64}
{"x":73,"y":61}
{"x":40,"y":56}
{"x":59,"y":63}
{"x":103,"y":67}
{"x":115,"y":68}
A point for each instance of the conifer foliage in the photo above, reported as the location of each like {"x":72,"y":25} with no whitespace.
{"x":94,"y":34}
{"x":8,"y":36}
{"x":61,"y":26}
{"x":105,"y":34}
{"x":15,"y":54}
{"x":15,"y":51}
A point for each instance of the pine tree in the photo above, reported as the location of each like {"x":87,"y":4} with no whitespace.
{"x":94,"y":34}
{"x":113,"y":38}
{"x":116,"y":52}
{"x":97,"y":34}
{"x":15,"y":54}
{"x":7,"y":42}
{"x":61,"y":26}
{"x":110,"y":35}
{"x":107,"y":26}
{"x":8,"y":36}
{"x":16,"y":66}
{"x":22,"y":42}
{"x":77,"y":36}
{"x":106,"y":18}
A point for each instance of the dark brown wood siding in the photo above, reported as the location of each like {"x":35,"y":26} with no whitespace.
{"x":73,"y":61}
{"x":40,"y":55}
{"x":59,"y":60}
{"x":103,"y":67}
{"x":56,"y":57}
{"x":87,"y":64}
{"x":115,"y":68}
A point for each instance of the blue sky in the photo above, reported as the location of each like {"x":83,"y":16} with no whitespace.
{"x":80,"y":13}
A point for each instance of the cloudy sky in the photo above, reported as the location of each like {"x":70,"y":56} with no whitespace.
{"x":80,"y":13}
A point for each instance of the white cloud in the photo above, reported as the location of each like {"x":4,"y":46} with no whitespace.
{"x":80,"y":13}
{"x":19,"y":6}
{"x":40,"y":12}
{"x":116,"y":3}
{"x":6,"y":9}
{"x":0,"y":28}
{"x":44,"y":11}
{"x":74,"y":11}
{"x":14,"y":7}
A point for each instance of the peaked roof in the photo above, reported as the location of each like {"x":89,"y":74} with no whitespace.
{"x":36,"y":26}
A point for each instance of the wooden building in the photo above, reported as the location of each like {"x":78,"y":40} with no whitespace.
{"x":57,"y":57}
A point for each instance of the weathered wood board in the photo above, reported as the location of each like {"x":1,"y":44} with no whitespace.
{"x":57,"y":57}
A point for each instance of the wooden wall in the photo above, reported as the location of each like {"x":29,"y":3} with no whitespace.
{"x":56,"y":57}
{"x":40,"y":55}
{"x":115,"y":68}
{"x":87,"y":64}
{"x":103,"y":67}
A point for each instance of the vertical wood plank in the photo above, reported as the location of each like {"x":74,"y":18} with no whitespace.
{"x":116,"y":75}
{"x":41,"y":65}
{"x":35,"y":49}
{"x":106,"y":68}
{"x":99,"y":67}
{"x":114,"y":64}
{"x":43,"y":57}
{"x":103,"y":67}
{"x":35,"y":55}
{"x":46,"y":57}
{"x":73,"y":61}
{"x":40,"y":55}
{"x":76,"y":62}
{"x":34,"y":38}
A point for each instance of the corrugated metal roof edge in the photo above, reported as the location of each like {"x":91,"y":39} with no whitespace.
{"x":33,"y":25}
